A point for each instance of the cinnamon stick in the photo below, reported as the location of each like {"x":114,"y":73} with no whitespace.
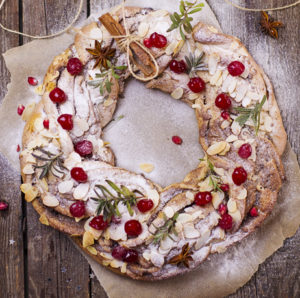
{"x":137,"y":55}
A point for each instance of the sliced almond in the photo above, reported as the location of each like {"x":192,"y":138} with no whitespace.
{"x":203,"y":239}
{"x":116,"y":264}
{"x":153,"y":195}
{"x":253,"y":96}
{"x":216,"y":148}
{"x":159,"y":13}
{"x":38,"y":124}
{"x":193,"y":96}
{"x":242,"y":194}
{"x":92,"y":250}
{"x":217,"y":199}
{"x":225,"y":124}
{"x":178,"y":47}
{"x":72,"y":160}
{"x":246,"y":102}
{"x":231,"y":205}
{"x":189,"y":195}
{"x":235,"y":128}
{"x":88,"y":239}
{"x":205,"y":185}
{"x":215,"y":77}
{"x":232,"y":85}
{"x":184,"y":217}
{"x":169,"y":212}
{"x":167,"y":243}
{"x":177,"y":93}
{"x":81,"y":191}
{"x":190,"y":232}
{"x":30,"y":191}
{"x":28,"y":169}
{"x":80,"y":127}
{"x":170,"y":48}
{"x":231,"y":138}
{"x":241,"y":91}
{"x":225,"y":150}
{"x":44,"y":219}
{"x":143,"y":29}
{"x":213,"y":60}
{"x":124,"y":268}
{"x":50,"y":200}
{"x":219,"y":171}
{"x":146,"y":255}
{"x":146,"y":167}
{"x":65,"y":186}
{"x":236,"y":216}
{"x":96,"y":233}
{"x":238,"y":143}
{"x":157,"y":259}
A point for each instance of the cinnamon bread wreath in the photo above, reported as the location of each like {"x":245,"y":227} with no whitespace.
{"x":122,"y":219}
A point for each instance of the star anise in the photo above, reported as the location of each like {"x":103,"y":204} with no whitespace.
{"x":269,"y":26}
{"x":102,"y":54}
{"x":183,"y":258}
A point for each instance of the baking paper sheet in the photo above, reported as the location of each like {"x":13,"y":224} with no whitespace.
{"x":144,"y":135}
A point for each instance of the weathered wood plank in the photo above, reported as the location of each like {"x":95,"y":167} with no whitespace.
{"x":55,"y":267}
{"x":278,"y":276}
{"x":11,"y":221}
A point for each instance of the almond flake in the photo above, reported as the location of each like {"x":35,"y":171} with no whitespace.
{"x":72,"y":160}
{"x":44,"y":220}
{"x":157,"y":259}
{"x":236,"y":128}
{"x":96,"y":233}
{"x":65,"y":186}
{"x":153,"y":195}
{"x":220,"y":171}
{"x":87,"y":239}
{"x":190,"y":231}
{"x":28,"y":169}
{"x":231,"y":205}
{"x":177,"y":93}
{"x":159,"y":13}
{"x":246,"y":102}
{"x":169,"y":212}
{"x":124,"y":268}
{"x":202,"y":240}
{"x":225,"y":124}
{"x":116,"y":264}
{"x":242,"y":194}
{"x":146,"y":255}
{"x":216,"y":148}
{"x":80,"y":127}
{"x":38,"y":124}
{"x":232,"y":86}
{"x":178,"y":47}
{"x":193,"y":96}
{"x":184,"y":217}
{"x":50,"y":200}
{"x":238,"y":143}
{"x":225,"y":150}
{"x":241,"y":91}
{"x":146,"y":167}
{"x":236,"y":216}
{"x":217,"y":199}
{"x":166,"y":244}
{"x":39,"y":90}
{"x":108,"y":102}
{"x":30,"y":191}
{"x":170,"y":48}
{"x":215,"y":77}
{"x":189,"y":195}
{"x":81,"y":191}
{"x":92,"y":250}
{"x":196,"y":106}
{"x":143,"y":29}
{"x":231,"y":138}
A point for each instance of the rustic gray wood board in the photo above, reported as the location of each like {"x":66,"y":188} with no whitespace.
{"x":51,"y":266}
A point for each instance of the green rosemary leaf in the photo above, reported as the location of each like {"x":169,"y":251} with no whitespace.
{"x":101,"y":89}
{"x":121,"y":67}
{"x":181,"y":33}
{"x":195,"y":10}
{"x":181,"y":7}
{"x":242,"y":119}
{"x":195,"y":64}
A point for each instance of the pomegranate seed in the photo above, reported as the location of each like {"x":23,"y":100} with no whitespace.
{"x":32,"y":81}
{"x":196,"y":85}
{"x":245,"y":151}
{"x":225,"y":222}
{"x":158,"y":40}
{"x":177,"y":140}
{"x":77,"y":209}
{"x":224,"y":187}
{"x":239,"y":175}
{"x":223,"y":101}
{"x":145,"y":205}
{"x":236,"y":68}
{"x":57,"y":95}
{"x":98,"y":223}
{"x":222,"y":209}
{"x":79,"y":174}
{"x":119,"y":252}
{"x":177,"y":66}
{"x":202,"y":198}
{"x":18,"y":148}
{"x":66,"y":121}
{"x":46,"y":123}
{"x":3,"y":206}
{"x":225,"y":115}
{"x":131,"y":256}
{"x":133,"y":228}
{"x":74,"y":66}
{"x":84,"y":148}
{"x":21,"y":109}
{"x":147,"y":43}
{"x":254,"y":212}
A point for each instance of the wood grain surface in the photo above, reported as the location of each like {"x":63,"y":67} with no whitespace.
{"x":43,"y":262}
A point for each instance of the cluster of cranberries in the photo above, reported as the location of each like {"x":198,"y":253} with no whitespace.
{"x":155,"y":40}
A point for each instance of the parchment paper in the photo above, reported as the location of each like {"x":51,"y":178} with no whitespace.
{"x":151,"y":118}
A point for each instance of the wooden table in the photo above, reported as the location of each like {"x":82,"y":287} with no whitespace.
{"x":43,"y":262}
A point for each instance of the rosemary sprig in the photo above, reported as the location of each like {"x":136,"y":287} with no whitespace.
{"x":195,"y":64}
{"x":183,"y":20}
{"x":103,"y":79}
{"x":214,"y":180}
{"x":108,"y":202}
{"x":52,"y":162}
{"x":254,"y":114}
{"x":165,"y":230}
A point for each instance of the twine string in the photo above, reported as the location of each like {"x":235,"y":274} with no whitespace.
{"x":260,"y":9}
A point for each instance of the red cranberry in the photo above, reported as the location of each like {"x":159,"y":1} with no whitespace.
{"x":133,"y":228}
{"x":20,"y":109}
{"x":225,"y":115}
{"x":225,"y":222}
{"x":74,"y":66}
{"x":84,"y":148}
{"x":147,"y":43}
{"x":196,"y":85}
{"x":224,"y":187}
{"x":239,"y":175}
{"x":66,"y":121}
{"x":57,"y":95}
{"x":3,"y":206}
{"x":177,"y":66}
{"x":46,"y":123}
{"x":77,"y":209}
{"x":98,"y":223}
{"x":145,"y":205}
{"x":119,"y":252}
{"x":177,"y":140}
{"x":158,"y":40}
{"x":203,"y":198}
{"x":79,"y":174}
{"x":253,"y":212}
{"x":236,"y":68}
{"x":32,"y":81}
{"x":245,"y":151}
{"x":131,"y":256}
{"x":18,"y":148}
{"x":223,"y":101}
{"x":222,"y":209}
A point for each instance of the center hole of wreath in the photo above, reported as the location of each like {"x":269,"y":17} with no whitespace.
{"x":144,"y":135}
